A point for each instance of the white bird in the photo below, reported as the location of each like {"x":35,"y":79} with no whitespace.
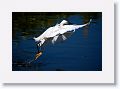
{"x":56,"y":31}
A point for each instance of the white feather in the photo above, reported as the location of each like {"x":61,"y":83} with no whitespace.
{"x":55,"y":31}
{"x":64,"y":38}
{"x":54,"y":39}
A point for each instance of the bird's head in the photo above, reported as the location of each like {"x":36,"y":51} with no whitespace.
{"x":36,"y":39}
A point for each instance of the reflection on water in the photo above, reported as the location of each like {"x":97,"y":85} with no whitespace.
{"x":81,"y":52}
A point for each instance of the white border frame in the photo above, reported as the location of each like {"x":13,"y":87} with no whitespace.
{"x":104,"y":6}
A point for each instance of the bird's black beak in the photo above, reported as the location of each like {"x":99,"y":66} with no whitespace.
{"x":37,"y":48}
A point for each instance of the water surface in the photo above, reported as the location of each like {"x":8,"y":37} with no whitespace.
{"x":80,"y":52}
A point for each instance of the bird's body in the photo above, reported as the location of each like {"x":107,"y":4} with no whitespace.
{"x":57,"y":30}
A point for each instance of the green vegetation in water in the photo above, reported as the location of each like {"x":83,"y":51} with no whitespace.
{"x":30,"y":23}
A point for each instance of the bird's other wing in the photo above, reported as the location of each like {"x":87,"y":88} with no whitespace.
{"x":67,"y":35}
{"x":63,"y":37}
{"x":55,"y":39}
{"x":58,"y":38}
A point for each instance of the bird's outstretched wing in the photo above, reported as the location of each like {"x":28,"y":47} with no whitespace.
{"x":68,"y":28}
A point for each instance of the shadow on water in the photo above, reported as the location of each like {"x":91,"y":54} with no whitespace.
{"x":82,"y":51}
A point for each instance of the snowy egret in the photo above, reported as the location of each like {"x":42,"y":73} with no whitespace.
{"x":57,"y":30}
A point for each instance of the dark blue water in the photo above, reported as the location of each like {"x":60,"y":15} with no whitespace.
{"x":82,"y":51}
